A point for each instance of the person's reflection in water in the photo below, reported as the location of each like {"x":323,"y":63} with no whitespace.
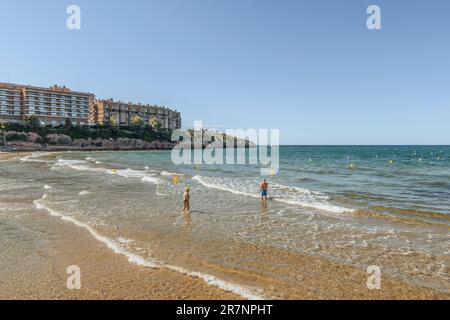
{"x":264,"y":209}
{"x":187,"y":219}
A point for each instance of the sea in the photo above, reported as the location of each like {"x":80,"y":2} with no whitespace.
{"x":387,"y":206}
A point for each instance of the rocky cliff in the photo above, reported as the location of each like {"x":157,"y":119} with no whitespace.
{"x":55,"y":142}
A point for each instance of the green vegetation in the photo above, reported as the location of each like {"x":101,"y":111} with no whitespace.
{"x":68,"y":124}
{"x":141,"y":132}
{"x":3,"y":126}
{"x":112,"y":121}
{"x":32,"y":121}
{"x":138,"y":121}
{"x":154,"y":123}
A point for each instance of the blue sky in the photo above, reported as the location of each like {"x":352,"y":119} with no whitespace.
{"x":310,"y":68}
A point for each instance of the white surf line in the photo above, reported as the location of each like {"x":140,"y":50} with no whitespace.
{"x":113,"y":245}
{"x":82,"y":165}
{"x":315,"y":204}
{"x":32,"y":158}
{"x":136,"y":259}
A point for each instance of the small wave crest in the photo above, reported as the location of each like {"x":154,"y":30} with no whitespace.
{"x":130,"y":173}
{"x":83,"y":165}
{"x":80,"y":165}
{"x":170,"y":174}
{"x":34,"y":157}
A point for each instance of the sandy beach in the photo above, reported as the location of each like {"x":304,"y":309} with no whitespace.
{"x":37,"y":270}
{"x":39,"y":247}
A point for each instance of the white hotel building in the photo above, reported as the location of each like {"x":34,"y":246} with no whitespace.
{"x":50,"y":105}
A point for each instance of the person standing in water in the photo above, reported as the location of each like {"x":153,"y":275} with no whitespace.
{"x":186,"y":201}
{"x":264,"y":186}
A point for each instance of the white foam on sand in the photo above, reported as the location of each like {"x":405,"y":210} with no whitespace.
{"x":47,"y":187}
{"x":116,"y":247}
{"x":289,"y":195}
{"x":83,"y":193}
{"x":113,"y":245}
{"x":124,"y":241}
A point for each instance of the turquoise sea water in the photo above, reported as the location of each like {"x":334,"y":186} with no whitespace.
{"x":380,"y":178}
{"x":358,"y":205}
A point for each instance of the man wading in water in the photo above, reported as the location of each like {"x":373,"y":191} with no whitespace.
{"x":264,"y":186}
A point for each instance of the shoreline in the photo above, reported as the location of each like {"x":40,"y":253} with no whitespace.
{"x":104,"y":274}
{"x":109,"y":275}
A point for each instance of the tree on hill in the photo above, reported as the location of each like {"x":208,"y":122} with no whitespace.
{"x":32,"y":121}
{"x":68,"y":124}
{"x":2,"y":129}
{"x":112,"y":120}
{"x":138,"y":121}
{"x":154,"y":123}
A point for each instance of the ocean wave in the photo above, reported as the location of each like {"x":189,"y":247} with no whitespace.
{"x":170,"y":174}
{"x":281,"y":193}
{"x":83,"y":165}
{"x":33,"y":157}
{"x":117,"y":248}
{"x":93,"y":160}
{"x":130,"y":173}
{"x":79,"y":165}
{"x":83,"y":193}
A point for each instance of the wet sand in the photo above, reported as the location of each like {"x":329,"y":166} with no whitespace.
{"x":36,"y":269}
{"x":11,"y":155}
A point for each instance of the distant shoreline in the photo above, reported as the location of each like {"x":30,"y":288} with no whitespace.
{"x":75,"y":148}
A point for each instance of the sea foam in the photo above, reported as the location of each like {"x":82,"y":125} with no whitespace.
{"x":82,"y":165}
{"x":284,"y":194}
{"x":33,"y":158}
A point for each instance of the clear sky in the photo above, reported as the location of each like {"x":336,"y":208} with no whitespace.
{"x":310,"y":68}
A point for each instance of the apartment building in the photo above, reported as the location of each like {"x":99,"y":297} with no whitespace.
{"x":122,"y":114}
{"x":50,"y":105}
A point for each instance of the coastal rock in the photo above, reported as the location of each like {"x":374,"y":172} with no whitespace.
{"x":60,"y":142}
{"x":25,"y":146}
{"x":16,"y":136}
{"x":34,"y":137}
{"x":59,"y":139}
